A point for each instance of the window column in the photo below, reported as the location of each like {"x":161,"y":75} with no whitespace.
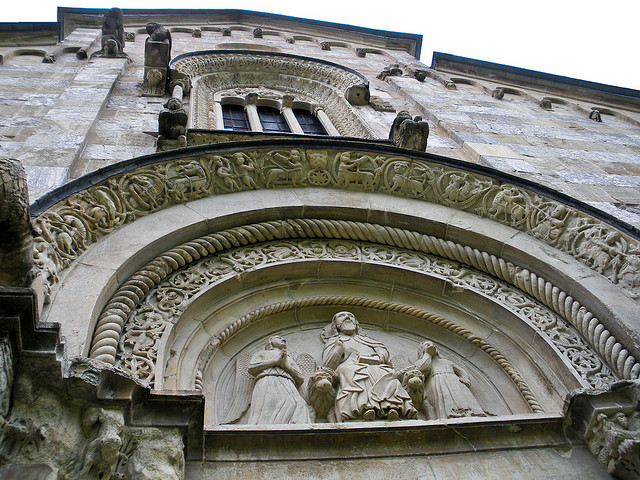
{"x":251,"y":105}
{"x":326,"y":123}
{"x":287,"y":111}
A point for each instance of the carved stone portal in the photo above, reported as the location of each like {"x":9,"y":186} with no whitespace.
{"x":355,"y":381}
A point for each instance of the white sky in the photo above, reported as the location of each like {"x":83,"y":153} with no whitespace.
{"x":592,"y":40}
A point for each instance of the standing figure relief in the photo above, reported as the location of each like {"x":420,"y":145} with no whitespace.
{"x":355,"y":381}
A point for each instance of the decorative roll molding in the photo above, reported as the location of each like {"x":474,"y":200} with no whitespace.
{"x":65,"y":230}
{"x":132,"y":293}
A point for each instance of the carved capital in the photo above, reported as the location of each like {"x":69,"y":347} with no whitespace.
{"x":609,"y":421}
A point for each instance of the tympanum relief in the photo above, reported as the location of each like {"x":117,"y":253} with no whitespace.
{"x":354,"y":380}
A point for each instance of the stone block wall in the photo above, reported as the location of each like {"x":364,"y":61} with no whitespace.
{"x":69,"y":118}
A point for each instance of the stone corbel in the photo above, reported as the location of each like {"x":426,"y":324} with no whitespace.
{"x":358,"y":95}
{"x":609,"y":422}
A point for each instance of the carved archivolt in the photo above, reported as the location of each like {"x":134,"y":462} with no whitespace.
{"x":325,"y":84}
{"x":65,"y":230}
{"x":158,"y":294}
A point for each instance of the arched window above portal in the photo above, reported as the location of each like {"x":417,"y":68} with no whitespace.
{"x":329,"y":92}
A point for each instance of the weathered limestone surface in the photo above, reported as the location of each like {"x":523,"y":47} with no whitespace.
{"x":483,"y":307}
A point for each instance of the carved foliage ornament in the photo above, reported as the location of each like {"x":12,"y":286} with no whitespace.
{"x":164,"y":304}
{"x":65,"y":230}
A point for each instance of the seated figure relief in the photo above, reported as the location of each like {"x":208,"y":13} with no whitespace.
{"x":369,"y":388}
{"x":355,"y":381}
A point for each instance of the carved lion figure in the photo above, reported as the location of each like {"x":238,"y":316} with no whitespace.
{"x":322,"y":392}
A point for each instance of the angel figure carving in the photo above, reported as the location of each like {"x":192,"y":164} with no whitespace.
{"x":274,"y":398}
{"x":368,"y":388}
{"x":447,"y":385}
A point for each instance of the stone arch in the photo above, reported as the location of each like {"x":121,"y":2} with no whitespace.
{"x":332,"y":87}
{"x":454,"y":227}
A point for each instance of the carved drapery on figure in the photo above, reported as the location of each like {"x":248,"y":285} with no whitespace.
{"x":447,"y":385}
{"x":355,"y":382}
{"x":275,"y":398}
{"x":368,"y":387}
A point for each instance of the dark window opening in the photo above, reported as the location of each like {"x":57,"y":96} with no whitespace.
{"x":272,"y":120}
{"x":235,"y":118}
{"x":309,"y":123}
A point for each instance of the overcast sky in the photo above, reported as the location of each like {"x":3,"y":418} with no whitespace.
{"x":589,"y":39}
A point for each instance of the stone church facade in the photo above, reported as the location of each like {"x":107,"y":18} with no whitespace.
{"x":237,"y":244}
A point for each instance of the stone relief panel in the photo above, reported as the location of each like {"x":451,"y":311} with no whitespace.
{"x":65,"y":230}
{"x":137,"y":349}
{"x":354,"y":379}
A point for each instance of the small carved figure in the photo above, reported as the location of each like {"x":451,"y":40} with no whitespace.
{"x":361,"y":52}
{"x":158,"y":33}
{"x":172,"y":120}
{"x":322,"y":393}
{"x":595,"y":115}
{"x":413,"y":382}
{"x":325,"y":46}
{"x":226,"y":32}
{"x":447,"y":387}
{"x":275,"y":398}
{"x":281,"y":169}
{"x":363,"y":170}
{"x":409,"y":133}
{"x":615,"y":441}
{"x":245,"y":169}
{"x":420,"y":75}
{"x":546,"y":104}
{"x":112,"y":35}
{"x":16,"y":435}
{"x":395,"y":126}
{"x":498,"y":93}
{"x":101,"y":454}
{"x":196,"y":33}
{"x":157,"y":454}
{"x":368,"y":387}
{"x":390,"y":71}
{"x":257,"y":32}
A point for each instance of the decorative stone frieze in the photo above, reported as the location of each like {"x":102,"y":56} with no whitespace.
{"x":65,"y":230}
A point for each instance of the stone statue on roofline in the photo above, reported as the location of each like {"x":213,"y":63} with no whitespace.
{"x":112,"y":44}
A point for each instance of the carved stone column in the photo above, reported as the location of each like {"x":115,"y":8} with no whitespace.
{"x":326,"y":123}
{"x":7,"y":373}
{"x":287,"y":112}
{"x":251,"y":105}
{"x":16,"y":238}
